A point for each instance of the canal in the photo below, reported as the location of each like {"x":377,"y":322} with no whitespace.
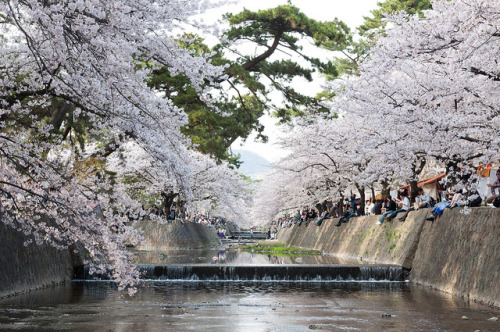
{"x":235,"y":305}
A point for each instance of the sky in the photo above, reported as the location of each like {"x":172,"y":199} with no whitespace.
{"x":349,"y":11}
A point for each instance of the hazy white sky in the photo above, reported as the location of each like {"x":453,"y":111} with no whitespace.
{"x":349,"y":11}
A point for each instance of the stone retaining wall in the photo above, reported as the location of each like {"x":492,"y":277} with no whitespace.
{"x":26,"y":268}
{"x":361,"y":238}
{"x":457,"y":253}
{"x":176,"y":235}
{"x":460,"y":254}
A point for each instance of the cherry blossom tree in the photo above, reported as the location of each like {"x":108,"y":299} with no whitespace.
{"x":431,"y":86}
{"x":428,"y":92}
{"x":69,"y":69}
{"x":216,"y":189}
{"x":326,"y":162}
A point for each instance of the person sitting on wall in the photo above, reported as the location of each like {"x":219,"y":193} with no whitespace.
{"x":377,"y":207}
{"x":390,"y":207}
{"x":493,"y":187}
{"x":496,"y":202}
{"x":459,"y":199}
{"x":324,"y":215}
{"x":297,"y":216}
{"x":403,"y":204}
{"x":349,"y":213}
{"x":310,"y":216}
{"x":438,"y":210}
{"x":303,"y":218}
{"x":334,"y":211}
{"x":423,"y":200}
{"x":360,"y":211}
{"x":368,"y":204}
{"x":154,"y":210}
{"x":474,"y":198}
{"x":370,"y":207}
{"x":353,"y":202}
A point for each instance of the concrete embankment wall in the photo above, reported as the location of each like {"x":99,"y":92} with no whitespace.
{"x":458,"y":253}
{"x":389,"y":243}
{"x":176,"y":235}
{"x":26,"y":268}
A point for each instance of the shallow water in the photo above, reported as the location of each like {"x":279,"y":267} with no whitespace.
{"x":240,"y":306}
{"x":233,"y":257}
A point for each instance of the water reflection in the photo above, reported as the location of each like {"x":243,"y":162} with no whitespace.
{"x":242,"y":307}
{"x":221,"y":256}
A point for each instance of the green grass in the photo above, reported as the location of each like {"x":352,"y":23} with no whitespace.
{"x":263,"y":245}
{"x":278,"y":248}
{"x":392,"y":235}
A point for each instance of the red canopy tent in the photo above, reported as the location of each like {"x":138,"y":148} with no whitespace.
{"x":430,"y":185}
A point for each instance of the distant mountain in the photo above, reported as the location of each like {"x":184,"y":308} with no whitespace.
{"x":253,"y":165}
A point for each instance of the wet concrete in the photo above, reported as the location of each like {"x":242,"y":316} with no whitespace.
{"x":266,"y":273}
{"x":94,"y":306}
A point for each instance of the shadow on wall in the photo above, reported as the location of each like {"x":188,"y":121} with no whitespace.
{"x":176,"y":235}
{"x":31,"y":267}
{"x":458,"y":253}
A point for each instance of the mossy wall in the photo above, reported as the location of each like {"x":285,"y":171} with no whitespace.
{"x":458,"y":253}
{"x":361,"y":238}
{"x":26,"y":268}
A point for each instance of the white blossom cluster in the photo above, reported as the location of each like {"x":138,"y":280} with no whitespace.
{"x":95,"y":55}
{"x":429,"y":92}
{"x":215,"y":188}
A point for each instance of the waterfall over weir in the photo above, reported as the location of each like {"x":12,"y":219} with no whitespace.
{"x":275,"y":273}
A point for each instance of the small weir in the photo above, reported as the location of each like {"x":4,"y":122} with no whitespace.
{"x":275,"y":273}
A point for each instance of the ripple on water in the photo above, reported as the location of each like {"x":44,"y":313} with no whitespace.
{"x":246,"y":306}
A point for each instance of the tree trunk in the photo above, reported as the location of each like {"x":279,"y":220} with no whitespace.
{"x":60,"y":109}
{"x":168,"y":200}
{"x":341,"y":206}
{"x":413,"y":190}
{"x":385,"y":188}
{"x":362,"y":196}
{"x":417,"y":168}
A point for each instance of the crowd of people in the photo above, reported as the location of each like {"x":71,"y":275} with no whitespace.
{"x":218,"y":223}
{"x":390,"y":208}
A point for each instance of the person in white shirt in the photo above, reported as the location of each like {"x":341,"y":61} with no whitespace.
{"x":423,"y":200}
{"x":371,"y":208}
{"x":403,"y":204}
{"x":458,"y":199}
